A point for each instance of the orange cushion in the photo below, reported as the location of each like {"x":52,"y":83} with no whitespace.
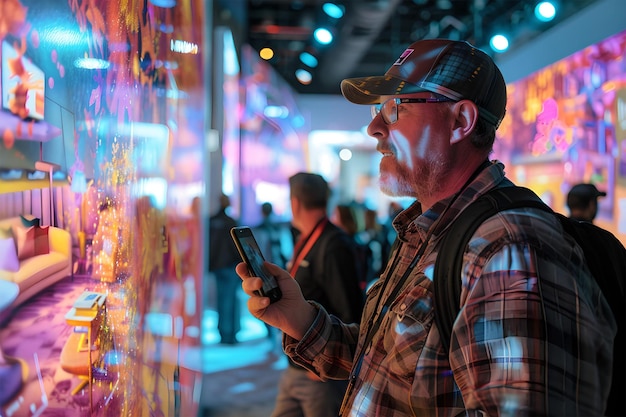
{"x":42,"y":243}
{"x":24,"y":241}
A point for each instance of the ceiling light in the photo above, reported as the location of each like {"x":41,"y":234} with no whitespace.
{"x":499,"y":43}
{"x":345,"y":154}
{"x":304,"y":76}
{"x":308,"y":59}
{"x":323,"y":36}
{"x":545,"y":11}
{"x":266,"y":53}
{"x":333,"y":10}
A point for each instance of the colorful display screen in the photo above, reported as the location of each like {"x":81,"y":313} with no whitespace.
{"x":23,"y":84}
{"x":565,"y":124}
{"x":273,"y":138}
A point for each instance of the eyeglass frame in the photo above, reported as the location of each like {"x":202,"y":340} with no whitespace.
{"x":376,"y":109}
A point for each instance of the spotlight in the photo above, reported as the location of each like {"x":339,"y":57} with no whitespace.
{"x":345,"y":154}
{"x":499,"y":43}
{"x":545,"y":11}
{"x":308,"y":59}
{"x":304,"y":76}
{"x":333,"y":10}
{"x":266,"y":53}
{"x":323,"y":36}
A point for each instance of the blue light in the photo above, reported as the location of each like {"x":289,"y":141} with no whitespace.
{"x":323,"y":36}
{"x":308,"y":59}
{"x":164,"y":3}
{"x":91,"y":63}
{"x":545,"y":11}
{"x":276,"y":112}
{"x":499,"y":43}
{"x":333,"y":10}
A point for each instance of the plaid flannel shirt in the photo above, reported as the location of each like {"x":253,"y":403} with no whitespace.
{"x":534,"y":336}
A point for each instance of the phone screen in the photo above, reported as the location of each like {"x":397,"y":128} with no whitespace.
{"x":253,"y":257}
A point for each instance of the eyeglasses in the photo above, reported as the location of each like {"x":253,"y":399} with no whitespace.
{"x":389,"y":109}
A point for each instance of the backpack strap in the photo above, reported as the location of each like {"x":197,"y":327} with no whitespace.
{"x":449,"y":262}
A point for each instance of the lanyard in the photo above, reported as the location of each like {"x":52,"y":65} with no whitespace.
{"x":378,"y":318}
{"x":308,"y":242}
{"x":382,"y":312}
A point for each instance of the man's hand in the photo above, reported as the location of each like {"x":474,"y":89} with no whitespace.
{"x":292,"y":313}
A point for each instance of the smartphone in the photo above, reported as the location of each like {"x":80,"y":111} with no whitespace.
{"x":253,"y":257}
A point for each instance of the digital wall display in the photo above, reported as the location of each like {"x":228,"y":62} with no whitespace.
{"x":566,"y":124}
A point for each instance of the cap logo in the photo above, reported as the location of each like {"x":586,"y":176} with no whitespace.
{"x":403,"y":57}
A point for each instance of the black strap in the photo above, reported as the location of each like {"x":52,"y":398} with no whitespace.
{"x":448,"y":266}
{"x":378,"y":318}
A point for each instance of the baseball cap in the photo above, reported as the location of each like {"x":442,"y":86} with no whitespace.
{"x":585,"y":191}
{"x":454,"y":69}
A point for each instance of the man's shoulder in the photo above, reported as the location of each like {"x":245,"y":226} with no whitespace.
{"x":331,"y":230}
{"x":334,"y":238}
{"x":522,"y":224}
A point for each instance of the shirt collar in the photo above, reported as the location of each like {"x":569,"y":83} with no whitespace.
{"x":413,"y":220}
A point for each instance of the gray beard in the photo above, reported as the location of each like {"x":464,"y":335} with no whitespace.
{"x":420,"y":183}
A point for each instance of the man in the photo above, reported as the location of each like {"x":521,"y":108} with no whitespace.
{"x":268,"y":234}
{"x":324,"y":266}
{"x":534,"y":334}
{"x":582,"y":201}
{"x":223,"y":256}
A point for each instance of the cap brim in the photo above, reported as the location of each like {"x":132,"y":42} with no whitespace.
{"x":368,"y":90}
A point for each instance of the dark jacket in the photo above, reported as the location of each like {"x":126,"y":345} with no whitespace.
{"x":328,"y":274}
{"x":222,"y":251}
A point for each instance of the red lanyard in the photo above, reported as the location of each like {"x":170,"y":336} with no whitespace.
{"x":308,"y":244}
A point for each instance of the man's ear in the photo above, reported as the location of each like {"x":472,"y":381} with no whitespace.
{"x":465,"y":115}
{"x":295,"y":204}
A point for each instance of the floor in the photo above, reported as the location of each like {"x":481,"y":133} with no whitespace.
{"x":241,"y":380}
{"x":237,"y":380}
{"x":35,"y":336}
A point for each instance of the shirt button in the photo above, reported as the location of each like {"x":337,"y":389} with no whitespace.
{"x":403,"y":307}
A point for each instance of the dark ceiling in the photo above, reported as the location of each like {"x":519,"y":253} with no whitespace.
{"x":373,"y":33}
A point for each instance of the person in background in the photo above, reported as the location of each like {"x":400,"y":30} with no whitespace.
{"x":528,"y":341}
{"x":346,"y":216}
{"x":350,"y":218}
{"x":376,"y":238}
{"x":269,"y":234}
{"x":393,"y":210}
{"x":373,"y":248}
{"x":582,"y":201}
{"x":223,"y":257}
{"x":324,"y":267}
